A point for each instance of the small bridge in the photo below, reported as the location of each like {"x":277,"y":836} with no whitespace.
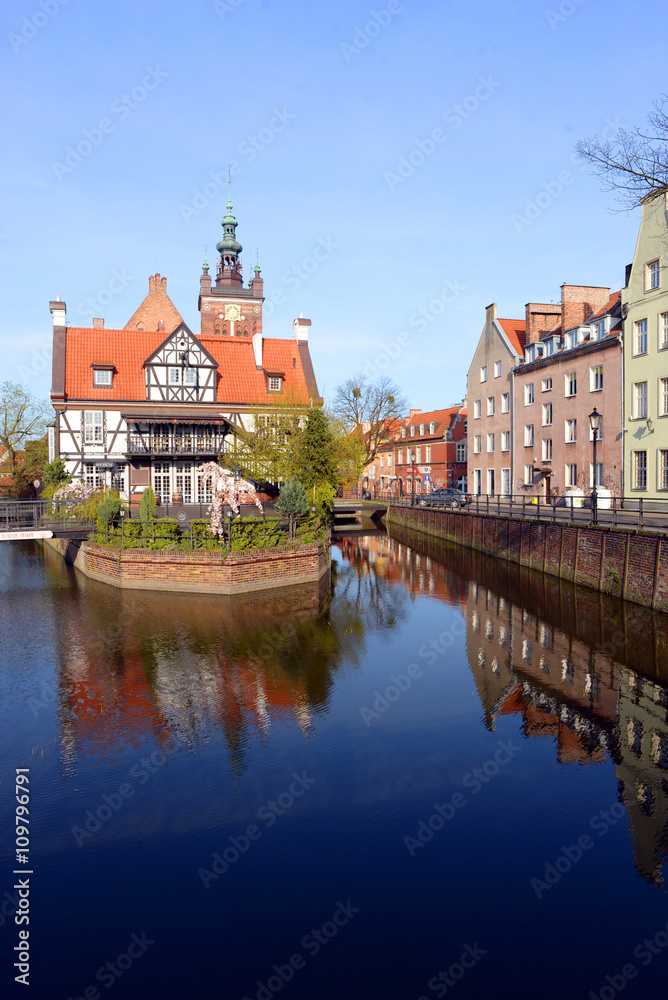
{"x":22,"y":520}
{"x":358,"y":514}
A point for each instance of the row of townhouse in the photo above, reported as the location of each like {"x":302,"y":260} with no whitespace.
{"x":421,"y":452}
{"x":598,"y":358}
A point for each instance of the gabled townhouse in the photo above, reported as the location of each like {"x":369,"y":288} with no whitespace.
{"x":147,"y":404}
{"x":431,"y":447}
{"x":645,"y":312}
{"x":565,"y":375}
{"x":489,"y":395}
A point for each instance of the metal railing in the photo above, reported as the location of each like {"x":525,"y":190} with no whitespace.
{"x":16,"y":514}
{"x":638,"y":513}
{"x":175,"y":444}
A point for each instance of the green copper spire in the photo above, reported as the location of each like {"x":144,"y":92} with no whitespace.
{"x":229,"y":244}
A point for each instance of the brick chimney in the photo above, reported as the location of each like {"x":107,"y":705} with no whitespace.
{"x":98,"y":323}
{"x":578,"y":302}
{"x":541,"y":317}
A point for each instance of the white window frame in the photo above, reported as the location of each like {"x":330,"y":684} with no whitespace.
{"x":663,"y":469}
{"x":528,"y":394}
{"x":190,"y":376}
{"x":640,"y":400}
{"x":528,"y":475}
{"x":640,"y":337}
{"x":103,"y":378}
{"x":477,"y":440}
{"x":497,"y":369}
{"x":546,"y":449}
{"x":546,"y":385}
{"x":571,"y":431}
{"x":476,"y":409}
{"x":505,"y":440}
{"x":93,"y":426}
{"x":653,"y":275}
{"x":547,"y":414}
{"x":663,"y":331}
{"x":483,"y":373}
{"x":599,"y":477}
{"x":571,"y":384}
{"x":427,"y":453}
{"x":421,"y":430}
{"x":596,"y":378}
{"x":571,"y":474}
{"x":528,"y":436}
{"x":490,"y":406}
{"x":663,"y":397}
{"x":461,"y":451}
{"x":275,"y":383}
{"x":490,"y":443}
{"x":639,"y":470}
{"x":412,"y":430}
{"x":432,"y":427}
{"x":174,"y":376}
{"x":505,"y":402}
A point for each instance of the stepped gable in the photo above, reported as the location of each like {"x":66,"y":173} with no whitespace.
{"x":157,"y":312}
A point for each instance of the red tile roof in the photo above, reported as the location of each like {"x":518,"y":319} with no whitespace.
{"x":239,"y":382}
{"x":516,"y":331}
{"x":607,"y":308}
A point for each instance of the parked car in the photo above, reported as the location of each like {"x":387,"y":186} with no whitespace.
{"x":449,"y":496}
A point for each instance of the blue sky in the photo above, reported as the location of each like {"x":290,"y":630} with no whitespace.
{"x":327,"y":113}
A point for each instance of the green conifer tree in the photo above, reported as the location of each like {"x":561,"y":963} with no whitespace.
{"x":317,"y":453}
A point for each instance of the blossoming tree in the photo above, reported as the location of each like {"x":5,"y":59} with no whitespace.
{"x":226,"y":490}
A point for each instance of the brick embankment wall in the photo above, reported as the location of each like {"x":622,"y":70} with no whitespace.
{"x":198,"y":572}
{"x":626,"y":564}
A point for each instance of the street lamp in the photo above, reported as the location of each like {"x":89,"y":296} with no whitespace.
{"x":594,"y":423}
{"x":413,"y":479}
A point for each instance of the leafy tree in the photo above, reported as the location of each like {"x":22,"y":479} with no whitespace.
{"x":368,"y":409}
{"x":293,"y":501}
{"x":634,"y":162}
{"x":147,"y":504}
{"x":317,"y":459}
{"x":21,"y":417}
{"x":30,"y":465}
{"x":56,"y":474}
{"x":269,"y":451}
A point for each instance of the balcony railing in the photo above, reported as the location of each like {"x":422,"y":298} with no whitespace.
{"x":175,"y":443}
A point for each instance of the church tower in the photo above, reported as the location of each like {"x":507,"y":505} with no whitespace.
{"x":226,"y":307}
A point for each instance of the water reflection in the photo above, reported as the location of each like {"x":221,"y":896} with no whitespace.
{"x":584,"y":671}
{"x":568,"y":661}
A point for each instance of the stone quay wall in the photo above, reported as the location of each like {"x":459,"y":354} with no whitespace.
{"x":200,"y":572}
{"x":627,"y":564}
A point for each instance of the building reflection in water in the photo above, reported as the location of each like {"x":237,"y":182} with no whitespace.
{"x":585,"y":670}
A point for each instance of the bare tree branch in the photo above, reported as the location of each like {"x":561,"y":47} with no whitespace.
{"x":21,"y":417}
{"x":368,"y":409}
{"x":634,"y":162}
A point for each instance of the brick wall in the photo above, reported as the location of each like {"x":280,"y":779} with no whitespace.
{"x":201,"y":572}
{"x":630,"y":565}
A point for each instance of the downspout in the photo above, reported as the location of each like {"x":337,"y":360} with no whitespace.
{"x":621,"y":344}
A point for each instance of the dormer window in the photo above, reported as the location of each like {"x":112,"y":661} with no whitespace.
{"x":421,"y":430}
{"x":275,"y":383}
{"x":432,"y":427}
{"x":413,"y":430}
{"x":403,"y":432}
{"x":103,"y":376}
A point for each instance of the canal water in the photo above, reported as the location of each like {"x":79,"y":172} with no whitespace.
{"x":432,"y":775}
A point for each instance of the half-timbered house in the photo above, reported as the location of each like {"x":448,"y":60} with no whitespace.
{"x":149,"y":403}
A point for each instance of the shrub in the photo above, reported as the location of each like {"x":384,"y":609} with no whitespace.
{"x":109,"y":508}
{"x":147,"y":504}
